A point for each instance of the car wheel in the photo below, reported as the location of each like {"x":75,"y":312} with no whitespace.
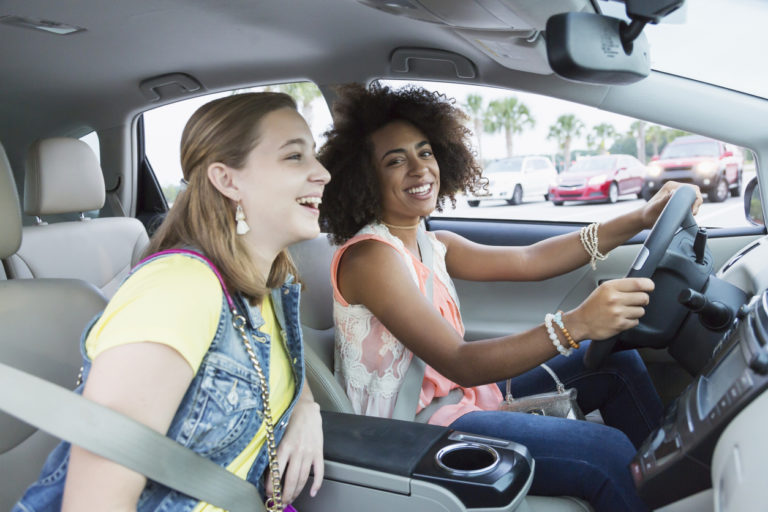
{"x":613,"y":193}
{"x":557,"y":203}
{"x":719,"y":191}
{"x":517,"y":196}
{"x":736,"y":192}
{"x":473,"y":203}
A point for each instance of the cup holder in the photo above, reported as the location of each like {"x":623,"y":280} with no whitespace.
{"x":467,"y":459}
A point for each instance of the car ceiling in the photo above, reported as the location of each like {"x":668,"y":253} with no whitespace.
{"x":59,"y":85}
{"x":222,"y":43}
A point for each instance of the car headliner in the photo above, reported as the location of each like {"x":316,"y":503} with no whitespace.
{"x":67,"y":85}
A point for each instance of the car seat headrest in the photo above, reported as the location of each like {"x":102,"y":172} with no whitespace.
{"x":63,"y":175}
{"x":10,"y":213}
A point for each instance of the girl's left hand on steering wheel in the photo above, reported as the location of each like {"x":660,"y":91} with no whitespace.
{"x":652,"y":209}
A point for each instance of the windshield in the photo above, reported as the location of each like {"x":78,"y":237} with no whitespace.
{"x":597,"y":163}
{"x":715,"y":41}
{"x":506,"y":165}
{"x":690,"y":149}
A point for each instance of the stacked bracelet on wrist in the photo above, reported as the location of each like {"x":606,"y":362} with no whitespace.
{"x":549,"y":318}
{"x":589,"y":240}
{"x":558,"y":319}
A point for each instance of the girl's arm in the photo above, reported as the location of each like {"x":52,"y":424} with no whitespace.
{"x":373,"y":274}
{"x":553,"y":256}
{"x":145,"y":381}
{"x":301,"y":449}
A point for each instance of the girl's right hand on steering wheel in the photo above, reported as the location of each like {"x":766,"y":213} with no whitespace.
{"x":611,"y":308}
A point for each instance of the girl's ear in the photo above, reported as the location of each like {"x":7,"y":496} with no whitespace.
{"x":221,"y":177}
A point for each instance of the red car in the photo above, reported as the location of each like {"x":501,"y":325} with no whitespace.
{"x":710,"y":164}
{"x":599,"y":178}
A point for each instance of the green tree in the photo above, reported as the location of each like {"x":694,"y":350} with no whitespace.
{"x":304,"y":93}
{"x":654,"y":135}
{"x":474,"y":107}
{"x":600,"y":133}
{"x":510,"y":115}
{"x":564,"y":131}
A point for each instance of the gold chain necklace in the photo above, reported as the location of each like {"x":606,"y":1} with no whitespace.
{"x":275,"y":503}
{"x":392,"y":226}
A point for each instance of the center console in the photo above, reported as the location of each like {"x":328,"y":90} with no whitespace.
{"x":674,"y":462}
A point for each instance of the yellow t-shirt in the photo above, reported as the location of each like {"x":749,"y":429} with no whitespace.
{"x":176,"y":301}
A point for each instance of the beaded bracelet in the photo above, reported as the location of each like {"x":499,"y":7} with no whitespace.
{"x":558,"y":319}
{"x":588,"y":236}
{"x":548,"y":319}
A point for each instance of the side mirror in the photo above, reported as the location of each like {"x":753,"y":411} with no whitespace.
{"x":726,"y":154}
{"x":587,"y":47}
{"x":753,"y":207}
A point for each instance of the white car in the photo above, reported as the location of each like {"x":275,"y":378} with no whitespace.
{"x":516,"y":179}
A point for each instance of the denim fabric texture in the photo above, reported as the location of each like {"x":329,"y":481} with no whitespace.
{"x":220,"y":412}
{"x":581,"y":458}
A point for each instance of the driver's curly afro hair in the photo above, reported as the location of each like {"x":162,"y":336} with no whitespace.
{"x":352,"y":198}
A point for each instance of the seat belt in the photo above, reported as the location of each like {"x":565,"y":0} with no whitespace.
{"x":408,"y":396}
{"x":112,"y":435}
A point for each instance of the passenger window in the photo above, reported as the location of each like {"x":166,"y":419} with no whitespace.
{"x":582,"y":142}
{"x":163,"y":127}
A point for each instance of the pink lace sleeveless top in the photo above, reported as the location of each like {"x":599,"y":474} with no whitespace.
{"x":370,"y":363}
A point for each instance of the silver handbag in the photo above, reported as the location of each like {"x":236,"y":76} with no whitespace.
{"x":561,"y":402}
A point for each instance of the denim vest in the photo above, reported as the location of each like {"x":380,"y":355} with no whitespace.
{"x":220,"y":412}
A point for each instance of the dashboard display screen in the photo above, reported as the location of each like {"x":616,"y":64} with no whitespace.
{"x":714,"y":385}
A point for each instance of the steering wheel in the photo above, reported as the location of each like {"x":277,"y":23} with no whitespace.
{"x":676,"y":214}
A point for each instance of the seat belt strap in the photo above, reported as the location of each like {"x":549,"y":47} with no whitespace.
{"x":98,"y":429}
{"x":408,"y":396}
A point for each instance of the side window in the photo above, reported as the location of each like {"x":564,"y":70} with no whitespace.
{"x":163,"y":127}
{"x":583,"y":143}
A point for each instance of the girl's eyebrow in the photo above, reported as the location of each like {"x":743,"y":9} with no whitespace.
{"x":294,"y":141}
{"x":401,"y":150}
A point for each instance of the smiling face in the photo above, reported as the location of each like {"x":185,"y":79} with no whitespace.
{"x":409,"y":176}
{"x":281,"y":183}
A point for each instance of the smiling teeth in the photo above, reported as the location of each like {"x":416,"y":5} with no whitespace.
{"x":419,"y":190}
{"x":312,"y":201}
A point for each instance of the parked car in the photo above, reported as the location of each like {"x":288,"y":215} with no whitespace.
{"x":516,"y":179}
{"x":708,"y":163}
{"x":599,"y":178}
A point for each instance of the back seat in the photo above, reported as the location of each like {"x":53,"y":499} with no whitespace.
{"x":63,"y":176}
{"x":42,"y":321}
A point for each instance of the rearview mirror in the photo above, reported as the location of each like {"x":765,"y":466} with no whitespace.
{"x":753,"y":207}
{"x":587,"y":47}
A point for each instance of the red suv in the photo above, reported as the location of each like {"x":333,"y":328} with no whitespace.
{"x":705,"y":162}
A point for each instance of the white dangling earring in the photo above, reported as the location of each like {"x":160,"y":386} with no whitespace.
{"x":242,"y":226}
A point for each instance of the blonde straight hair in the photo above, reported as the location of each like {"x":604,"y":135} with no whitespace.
{"x":224,"y":130}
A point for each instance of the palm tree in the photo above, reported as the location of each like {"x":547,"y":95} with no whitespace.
{"x":474,"y":106}
{"x":566,"y":128}
{"x":304,"y":93}
{"x":601,"y":133}
{"x":510,"y":115}
{"x":637,"y":130}
{"x":655,"y":135}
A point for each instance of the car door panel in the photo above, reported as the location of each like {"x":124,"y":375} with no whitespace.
{"x":491,"y":309}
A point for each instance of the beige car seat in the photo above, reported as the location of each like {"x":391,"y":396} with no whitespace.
{"x":42,"y":321}
{"x":63,"y":176}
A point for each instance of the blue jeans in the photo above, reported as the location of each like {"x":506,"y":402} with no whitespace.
{"x":580,"y":458}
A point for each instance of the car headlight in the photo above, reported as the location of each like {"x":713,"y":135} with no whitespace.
{"x":654,"y":170}
{"x":706,"y":168}
{"x":598,"y":180}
